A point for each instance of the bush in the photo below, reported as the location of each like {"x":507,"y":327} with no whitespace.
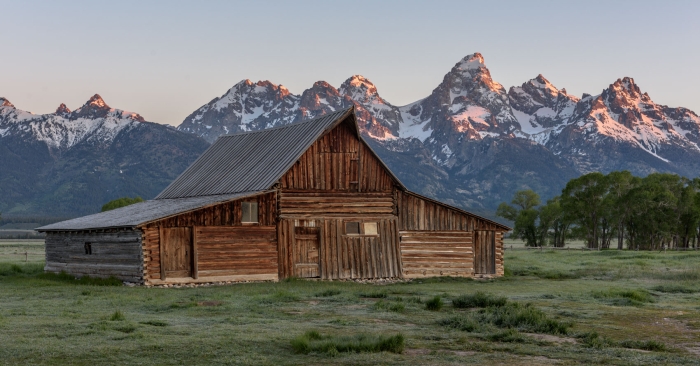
{"x":674,"y":289}
{"x":645,"y":345}
{"x":374,"y":294}
{"x":512,"y":316}
{"x":465,"y":323}
{"x":117,"y":316}
{"x":397,"y":307}
{"x":478,"y":300}
{"x":313,"y":341}
{"x":509,"y":336}
{"x":328,"y":293}
{"x":625,"y":297}
{"x":594,"y":340}
{"x":434,"y":304}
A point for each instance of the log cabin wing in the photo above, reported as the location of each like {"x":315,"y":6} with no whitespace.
{"x":309,"y":199}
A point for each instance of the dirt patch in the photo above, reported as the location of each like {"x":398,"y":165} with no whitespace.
{"x":551,"y":338}
{"x":313,"y":302}
{"x":209,"y":303}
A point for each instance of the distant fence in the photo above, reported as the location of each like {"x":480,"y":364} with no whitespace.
{"x":506,"y":247}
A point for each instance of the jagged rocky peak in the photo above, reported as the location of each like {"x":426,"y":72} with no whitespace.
{"x":361,"y":90}
{"x":320,"y":99}
{"x":537,"y":93}
{"x":95,"y":107}
{"x":5,"y":103}
{"x":62,"y":110}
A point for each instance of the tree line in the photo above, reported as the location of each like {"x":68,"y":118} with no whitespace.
{"x":658,"y":211}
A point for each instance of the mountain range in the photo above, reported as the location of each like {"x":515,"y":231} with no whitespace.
{"x":470,"y":142}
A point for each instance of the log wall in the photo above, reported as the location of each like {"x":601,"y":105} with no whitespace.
{"x":226,"y":216}
{"x":298,"y":203}
{"x":249,"y":252}
{"x":416,"y":213}
{"x":437,"y":253}
{"x":114,"y":253}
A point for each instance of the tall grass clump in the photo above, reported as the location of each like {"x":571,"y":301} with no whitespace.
{"x":478,"y":299}
{"x":7,"y":269}
{"x":117,"y":316}
{"x":434,"y":304}
{"x":328,"y":293}
{"x":313,"y":341}
{"x":381,"y":294}
{"x":675,"y":289}
{"x":650,"y":345}
{"x":397,"y":307}
{"x":512,"y":315}
{"x":625,"y":297}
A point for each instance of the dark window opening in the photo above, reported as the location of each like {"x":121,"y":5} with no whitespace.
{"x":352,"y":227}
{"x":88,"y":248}
{"x":249,"y":212}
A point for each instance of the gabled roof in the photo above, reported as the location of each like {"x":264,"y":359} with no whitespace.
{"x":250,"y":161}
{"x":142,"y":212}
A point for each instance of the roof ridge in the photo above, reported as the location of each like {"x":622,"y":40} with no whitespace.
{"x":342,"y":111}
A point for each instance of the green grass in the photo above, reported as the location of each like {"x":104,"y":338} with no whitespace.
{"x":478,"y":299}
{"x":313,"y":341}
{"x":434,"y":304}
{"x":58,"y":320}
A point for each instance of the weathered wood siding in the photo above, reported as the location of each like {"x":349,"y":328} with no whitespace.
{"x":300,"y":203}
{"x":114,"y":253}
{"x":228,"y":217}
{"x":343,"y":256}
{"x":338,"y":161}
{"x":437,"y":253}
{"x":417,"y":215}
{"x":247,"y":252}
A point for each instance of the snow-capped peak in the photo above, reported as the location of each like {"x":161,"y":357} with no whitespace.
{"x":5,"y":103}
{"x":471,"y":62}
{"x":97,"y":101}
{"x":363,"y":91}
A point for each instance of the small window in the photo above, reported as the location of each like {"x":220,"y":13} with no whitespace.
{"x":370,"y":228}
{"x":249,"y":212}
{"x":88,"y":248}
{"x":352,"y":228}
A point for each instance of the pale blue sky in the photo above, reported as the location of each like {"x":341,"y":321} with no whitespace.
{"x":164,"y":59}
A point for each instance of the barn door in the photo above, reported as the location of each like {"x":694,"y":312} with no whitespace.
{"x":177,"y":252}
{"x":306,"y":249}
{"x":484,"y":252}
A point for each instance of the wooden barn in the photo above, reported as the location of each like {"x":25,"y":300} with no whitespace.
{"x":309,"y":199}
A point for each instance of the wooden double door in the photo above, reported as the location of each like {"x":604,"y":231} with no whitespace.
{"x":484,"y":252}
{"x":176,"y":252}
{"x":305,"y":252}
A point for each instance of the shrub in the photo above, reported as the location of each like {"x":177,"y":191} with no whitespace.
{"x":594,"y":340}
{"x":510,"y":336}
{"x":328,"y":293}
{"x":625,"y":297}
{"x":645,"y":345}
{"x":478,"y":300}
{"x":155,"y":323}
{"x":397,"y":307}
{"x":674,"y":289}
{"x":313,"y":341}
{"x":374,"y":294}
{"x":512,"y":316}
{"x":117,"y":316}
{"x":465,"y":323}
{"x":434,"y":304}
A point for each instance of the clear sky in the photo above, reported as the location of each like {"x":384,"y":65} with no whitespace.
{"x":164,"y":59}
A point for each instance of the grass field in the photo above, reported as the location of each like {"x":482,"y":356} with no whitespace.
{"x":585,"y":307}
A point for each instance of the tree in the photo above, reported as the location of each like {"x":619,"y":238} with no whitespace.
{"x":120,"y":202}
{"x":582,"y":201}
{"x":552,"y":220}
{"x":620,"y":184}
{"x":524,"y":215}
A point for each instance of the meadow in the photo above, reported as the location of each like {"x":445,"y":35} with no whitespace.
{"x":553,"y":307}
